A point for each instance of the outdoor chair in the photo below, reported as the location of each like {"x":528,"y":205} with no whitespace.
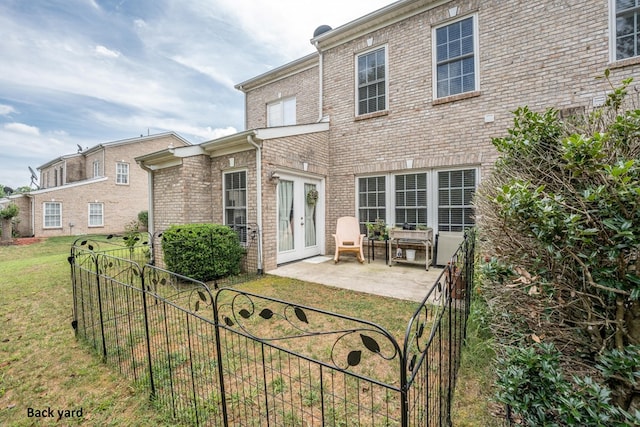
{"x":348,"y":238}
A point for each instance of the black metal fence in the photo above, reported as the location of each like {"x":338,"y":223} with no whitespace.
{"x":228,"y":357}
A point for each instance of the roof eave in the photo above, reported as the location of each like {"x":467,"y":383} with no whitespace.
{"x":293,"y":67}
{"x":380,"y":18}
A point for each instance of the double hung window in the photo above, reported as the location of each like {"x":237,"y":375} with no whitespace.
{"x":235,"y":202}
{"x":455,"y":194}
{"x":122,"y":173}
{"x":455,"y":58}
{"x":372,"y":81}
{"x":371,"y":200}
{"x":52,"y":214}
{"x":627,"y":29}
{"x":96,"y":216}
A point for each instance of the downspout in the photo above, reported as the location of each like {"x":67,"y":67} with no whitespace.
{"x":320,"y":82}
{"x":258,"y":197}
{"x":32,"y":205}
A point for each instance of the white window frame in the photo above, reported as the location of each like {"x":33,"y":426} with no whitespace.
{"x":476,"y":56}
{"x":46,"y":215}
{"x":120,"y":175}
{"x":285,"y":117}
{"x":450,"y":205}
{"x":432,"y":192}
{"x":243,"y":236}
{"x":91,"y":214}
{"x":613,"y":39}
{"x":385,"y":47}
{"x":96,"y":168}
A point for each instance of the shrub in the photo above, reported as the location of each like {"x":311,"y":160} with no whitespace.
{"x":531,"y":382}
{"x":143,"y":219}
{"x":202,"y":251}
{"x":9,"y":212}
{"x":563,"y":208}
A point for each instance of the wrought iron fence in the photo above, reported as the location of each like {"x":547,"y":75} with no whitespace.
{"x":228,"y":357}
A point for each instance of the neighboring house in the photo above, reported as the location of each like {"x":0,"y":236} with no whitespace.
{"x":392,"y":118}
{"x":96,"y":190}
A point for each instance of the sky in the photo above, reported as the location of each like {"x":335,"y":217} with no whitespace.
{"x":85,"y":72}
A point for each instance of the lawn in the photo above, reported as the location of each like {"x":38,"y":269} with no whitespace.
{"x":44,"y":371}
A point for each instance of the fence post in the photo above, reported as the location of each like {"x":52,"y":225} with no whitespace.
{"x":404,"y":391}
{"x":146,"y":334}
{"x":104,"y":342}
{"x":216,"y":328}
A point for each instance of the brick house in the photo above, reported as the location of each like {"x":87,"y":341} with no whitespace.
{"x":98,"y":190}
{"x":392,"y":118}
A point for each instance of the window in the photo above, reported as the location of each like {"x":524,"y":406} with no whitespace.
{"x":455,"y":193}
{"x":122,"y":173}
{"x":435,"y":198}
{"x":235,"y":203}
{"x":96,"y":218}
{"x":281,"y":113}
{"x":96,"y":168}
{"x":411,"y":199}
{"x":455,"y":58}
{"x":52,"y":215}
{"x":372,"y":81}
{"x":627,"y":29}
{"x":371,"y":200}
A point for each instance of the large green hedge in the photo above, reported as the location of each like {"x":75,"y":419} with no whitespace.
{"x":202,"y":251}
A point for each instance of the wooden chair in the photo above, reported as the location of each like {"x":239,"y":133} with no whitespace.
{"x":348,"y":238}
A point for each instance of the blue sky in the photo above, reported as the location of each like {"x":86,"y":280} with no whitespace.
{"x":91,"y":71}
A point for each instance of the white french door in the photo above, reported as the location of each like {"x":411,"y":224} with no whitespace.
{"x":300,"y":221}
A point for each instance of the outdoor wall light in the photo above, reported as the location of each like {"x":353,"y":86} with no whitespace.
{"x":274,"y":178}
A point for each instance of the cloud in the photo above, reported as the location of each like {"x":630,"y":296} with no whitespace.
{"x":5,"y":110}
{"x":22,"y":128}
{"x":103,"y":51}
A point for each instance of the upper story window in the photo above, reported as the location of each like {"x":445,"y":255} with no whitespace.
{"x":372,"y":81}
{"x":52,"y":215}
{"x":96,"y":168}
{"x":627,"y":29}
{"x":122,"y":173}
{"x":455,"y":58}
{"x":281,"y":112}
{"x":235,"y":202}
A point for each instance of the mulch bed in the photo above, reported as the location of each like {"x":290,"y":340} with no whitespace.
{"x":26,"y":240}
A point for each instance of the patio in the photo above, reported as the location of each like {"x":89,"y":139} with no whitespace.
{"x":407,"y":282}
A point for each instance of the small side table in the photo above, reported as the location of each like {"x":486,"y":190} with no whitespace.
{"x":371,"y":250}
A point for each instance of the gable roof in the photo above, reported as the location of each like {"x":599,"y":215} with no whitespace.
{"x":113,"y":144}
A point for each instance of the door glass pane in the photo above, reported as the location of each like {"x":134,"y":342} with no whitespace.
{"x":310,"y":215}
{"x":285,"y":216}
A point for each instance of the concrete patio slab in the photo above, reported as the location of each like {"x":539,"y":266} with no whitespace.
{"x":402,"y":281}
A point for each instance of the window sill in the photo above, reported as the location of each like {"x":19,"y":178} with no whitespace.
{"x":624,"y":62}
{"x":457,"y":97}
{"x":371,"y":115}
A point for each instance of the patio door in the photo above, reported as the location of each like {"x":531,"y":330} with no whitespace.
{"x":300,"y":222}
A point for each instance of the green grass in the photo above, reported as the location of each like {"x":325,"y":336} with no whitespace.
{"x":42,"y":365}
{"x":472,"y":405}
